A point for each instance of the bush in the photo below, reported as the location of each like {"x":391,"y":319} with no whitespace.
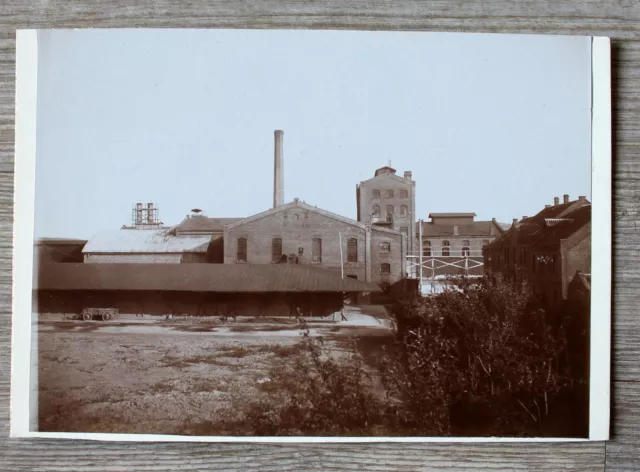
{"x":316,"y":395}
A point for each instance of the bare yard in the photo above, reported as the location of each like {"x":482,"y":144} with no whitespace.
{"x":158,"y":377}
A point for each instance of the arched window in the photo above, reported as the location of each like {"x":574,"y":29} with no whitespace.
{"x":466,"y":251}
{"x":241,"y":249}
{"x":352,"y":250}
{"x":375,"y":194}
{"x":404,"y":194}
{"x":388,"y":193}
{"x":375,"y":212}
{"x":276,"y":249}
{"x":385,"y":269}
{"x":445,"y":248}
{"x":316,"y":250}
{"x":426,"y":248}
{"x":404,"y":210}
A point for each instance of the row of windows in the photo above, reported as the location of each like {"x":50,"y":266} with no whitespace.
{"x":316,"y":249}
{"x":375,"y":194}
{"x":446,"y":248}
{"x":375,"y":210}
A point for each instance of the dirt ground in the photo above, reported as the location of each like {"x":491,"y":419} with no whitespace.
{"x":159,"y":376}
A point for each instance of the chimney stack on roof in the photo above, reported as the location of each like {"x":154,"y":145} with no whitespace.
{"x":582,"y":198}
{"x":556,"y":201}
{"x":150,"y":218}
{"x":278,"y":169}
{"x":547,"y":206}
{"x":565,"y":199}
{"x":139,"y":213}
{"x":515,"y":221}
{"x":407,"y":174}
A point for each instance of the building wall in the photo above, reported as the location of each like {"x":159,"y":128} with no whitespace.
{"x":137,"y":258}
{"x":395,"y":258}
{"x":386,"y":182}
{"x":297,"y":227}
{"x":577,"y":257}
{"x":190,"y":303}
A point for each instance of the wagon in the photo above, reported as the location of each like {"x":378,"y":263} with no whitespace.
{"x":104,"y":314}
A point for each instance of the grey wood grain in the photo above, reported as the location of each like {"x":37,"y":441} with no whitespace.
{"x":619,"y":19}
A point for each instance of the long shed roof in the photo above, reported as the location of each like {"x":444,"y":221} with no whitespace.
{"x":226,"y":278}
{"x":145,"y":241}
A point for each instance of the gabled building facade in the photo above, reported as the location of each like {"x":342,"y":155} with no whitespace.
{"x":303,"y":234}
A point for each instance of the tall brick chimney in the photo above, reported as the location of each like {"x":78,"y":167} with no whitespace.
{"x":565,"y":199}
{"x":139,"y":213}
{"x":556,"y":201}
{"x":278,"y":170}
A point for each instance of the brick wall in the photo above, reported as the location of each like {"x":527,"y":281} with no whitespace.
{"x":297,"y":227}
{"x":394,"y":258}
{"x":385,"y":182}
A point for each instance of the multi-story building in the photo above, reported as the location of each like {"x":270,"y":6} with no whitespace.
{"x":452,"y":244}
{"x":546,"y":250}
{"x":303,"y":234}
{"x":388,"y":200}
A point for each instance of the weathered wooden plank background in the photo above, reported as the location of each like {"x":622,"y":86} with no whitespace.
{"x":619,"y":19}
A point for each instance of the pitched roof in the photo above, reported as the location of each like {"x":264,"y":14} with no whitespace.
{"x":296,"y":204}
{"x":562,"y":229}
{"x":203,"y":224}
{"x":145,"y":241}
{"x":533,"y":228}
{"x":223,"y":278}
{"x":477,"y":228}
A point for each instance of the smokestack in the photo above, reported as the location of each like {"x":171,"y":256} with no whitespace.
{"x":278,"y":170}
{"x":150,"y":218}
{"x":556,"y":201}
{"x":138,"y":213}
{"x":565,"y":199}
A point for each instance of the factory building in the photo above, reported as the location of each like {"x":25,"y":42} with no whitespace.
{"x":388,"y":200}
{"x":304,"y":234}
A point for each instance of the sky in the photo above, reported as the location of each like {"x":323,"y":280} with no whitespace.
{"x":493,"y":124}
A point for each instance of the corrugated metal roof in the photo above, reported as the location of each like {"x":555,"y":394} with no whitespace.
{"x":145,"y":241}
{"x":226,"y":278}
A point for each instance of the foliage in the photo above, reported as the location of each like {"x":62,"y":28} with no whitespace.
{"x":316,"y":395}
{"x":479,"y":346}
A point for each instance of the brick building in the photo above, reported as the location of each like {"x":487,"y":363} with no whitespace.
{"x":452,"y":243}
{"x":389,"y":200}
{"x":546,"y":250}
{"x":309,"y":235}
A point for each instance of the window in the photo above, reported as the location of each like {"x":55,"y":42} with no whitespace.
{"x":466,"y":251}
{"x":241,"y":250}
{"x":316,"y":250}
{"x":485,"y":242}
{"x":426,"y":249}
{"x":352,"y":250}
{"x":404,"y":194}
{"x":388,"y":193}
{"x":389,"y":210}
{"x":375,"y":194}
{"x":375,"y":211}
{"x":404,"y":210}
{"x":385,"y":247}
{"x":385,"y":269}
{"x":445,"y":248}
{"x":276,"y":249}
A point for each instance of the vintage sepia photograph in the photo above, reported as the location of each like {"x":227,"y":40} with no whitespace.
{"x":313,"y":234}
